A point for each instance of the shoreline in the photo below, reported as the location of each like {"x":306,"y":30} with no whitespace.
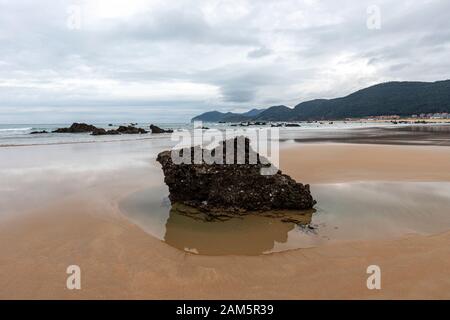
{"x":377,"y":134}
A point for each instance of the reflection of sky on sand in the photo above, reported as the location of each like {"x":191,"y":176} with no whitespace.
{"x":379,"y":210}
{"x":36,"y":176}
{"x":345,"y":211}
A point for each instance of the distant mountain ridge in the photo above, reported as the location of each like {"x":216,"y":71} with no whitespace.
{"x":216,"y":116}
{"x":390,"y":98}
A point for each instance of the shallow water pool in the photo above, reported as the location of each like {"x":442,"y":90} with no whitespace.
{"x":345,"y":211}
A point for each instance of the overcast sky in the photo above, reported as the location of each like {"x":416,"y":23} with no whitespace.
{"x":107,"y":60}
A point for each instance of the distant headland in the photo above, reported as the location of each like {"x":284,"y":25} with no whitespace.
{"x":385,"y":99}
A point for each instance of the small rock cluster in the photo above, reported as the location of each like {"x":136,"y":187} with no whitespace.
{"x":87,"y":128}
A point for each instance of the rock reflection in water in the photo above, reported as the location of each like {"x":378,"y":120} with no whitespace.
{"x":187,"y":229}
{"x":252,"y":234}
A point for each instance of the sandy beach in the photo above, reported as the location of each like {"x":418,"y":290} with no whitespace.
{"x":224,"y":150}
{"x":83,"y":225}
{"x":325,"y":163}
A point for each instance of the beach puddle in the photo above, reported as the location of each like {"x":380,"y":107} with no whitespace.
{"x":345,"y":211}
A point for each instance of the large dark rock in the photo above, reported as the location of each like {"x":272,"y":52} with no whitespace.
{"x":131,"y":130}
{"x":103,"y":132}
{"x":156,"y":129}
{"x":232,"y":187}
{"x":76,"y":128}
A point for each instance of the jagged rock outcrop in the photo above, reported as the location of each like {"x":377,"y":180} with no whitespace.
{"x":131,"y":130}
{"x":232,"y":187}
{"x":156,"y":129}
{"x":103,"y":132}
{"x":76,"y":128}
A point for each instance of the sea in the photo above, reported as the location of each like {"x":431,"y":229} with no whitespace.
{"x":20,"y":134}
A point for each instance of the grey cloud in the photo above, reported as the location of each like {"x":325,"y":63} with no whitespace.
{"x":399,"y":67}
{"x":246,"y":53}
{"x":188,"y":25}
{"x":239,"y":95}
{"x":260,"y":52}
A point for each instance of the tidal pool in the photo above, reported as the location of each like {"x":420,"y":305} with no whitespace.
{"x":345,"y":211}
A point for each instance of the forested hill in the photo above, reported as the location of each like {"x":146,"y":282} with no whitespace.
{"x":391,"y":98}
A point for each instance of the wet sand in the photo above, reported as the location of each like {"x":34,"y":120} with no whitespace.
{"x":325,"y":163}
{"x":120,"y":260}
{"x":415,"y":135}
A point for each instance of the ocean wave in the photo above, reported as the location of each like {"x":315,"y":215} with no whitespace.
{"x":15,"y":129}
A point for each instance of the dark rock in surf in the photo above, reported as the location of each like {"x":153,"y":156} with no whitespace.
{"x":103,"y":132}
{"x":156,"y":129}
{"x":232,"y":187}
{"x":76,"y":128}
{"x":292,"y":125}
{"x":131,"y":130}
{"x":38,"y":132}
